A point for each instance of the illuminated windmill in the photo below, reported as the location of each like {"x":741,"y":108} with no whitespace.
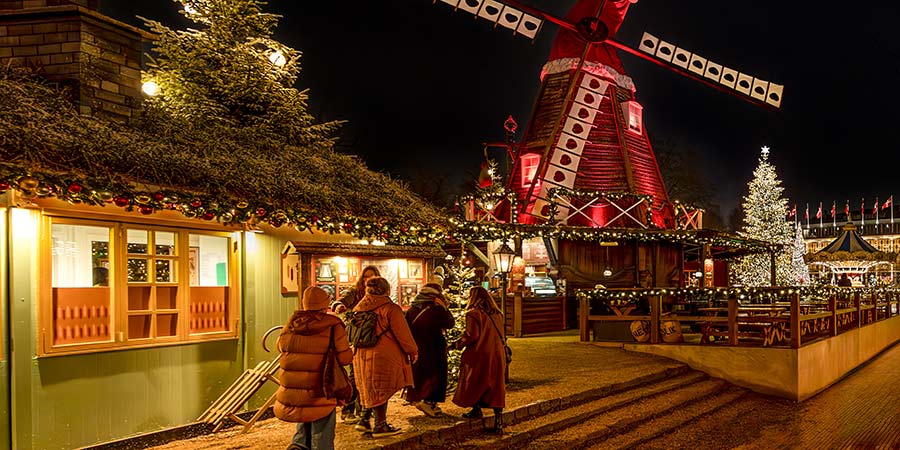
{"x":586,"y":132}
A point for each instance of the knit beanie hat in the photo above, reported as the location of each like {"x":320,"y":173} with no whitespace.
{"x":314,"y":299}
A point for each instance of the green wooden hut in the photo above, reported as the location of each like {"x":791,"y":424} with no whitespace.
{"x":139,"y":271}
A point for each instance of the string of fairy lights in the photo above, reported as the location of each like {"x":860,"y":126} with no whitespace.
{"x":747,"y":294}
{"x":130,"y":197}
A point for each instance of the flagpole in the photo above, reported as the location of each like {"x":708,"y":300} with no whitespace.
{"x":821,"y":213}
{"x":834,"y":214}
{"x":807,"y":216}
{"x":876,"y":212}
{"x":862,"y":216}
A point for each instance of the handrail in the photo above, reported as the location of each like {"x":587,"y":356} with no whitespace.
{"x":266,"y":336}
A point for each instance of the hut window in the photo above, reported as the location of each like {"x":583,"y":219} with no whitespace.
{"x":530,"y":165}
{"x":118,"y":285}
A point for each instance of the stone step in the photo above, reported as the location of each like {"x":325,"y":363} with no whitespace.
{"x":674,"y":420}
{"x":456,"y":435}
{"x":523,"y":432}
{"x":623,"y":418}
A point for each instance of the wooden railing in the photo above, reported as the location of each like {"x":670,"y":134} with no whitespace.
{"x":770,"y":317}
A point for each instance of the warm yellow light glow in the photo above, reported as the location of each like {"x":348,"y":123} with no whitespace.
{"x":188,"y":8}
{"x":277,"y":58}
{"x":150,"y":88}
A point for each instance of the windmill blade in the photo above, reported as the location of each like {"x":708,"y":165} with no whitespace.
{"x":521,"y":20}
{"x":692,"y":65}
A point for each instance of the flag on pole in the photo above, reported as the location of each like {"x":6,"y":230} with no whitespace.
{"x":833,"y":218}
{"x":793,"y":211}
{"x":847,"y":210}
{"x":875,"y":210}
{"x":862,"y":211}
{"x":888,"y":202}
{"x":806,"y":216}
{"x":819,"y":212}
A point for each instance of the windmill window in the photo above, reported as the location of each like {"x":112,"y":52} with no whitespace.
{"x":530,"y":165}
{"x":633,"y":112}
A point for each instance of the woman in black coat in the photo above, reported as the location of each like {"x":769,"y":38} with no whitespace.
{"x":428,"y":317}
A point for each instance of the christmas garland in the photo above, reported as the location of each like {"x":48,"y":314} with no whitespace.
{"x":748,"y":294}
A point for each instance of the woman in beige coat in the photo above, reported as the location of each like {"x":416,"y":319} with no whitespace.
{"x":382,"y":370}
{"x":303,"y":343}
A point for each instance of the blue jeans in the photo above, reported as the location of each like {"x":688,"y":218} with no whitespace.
{"x":316,"y":435}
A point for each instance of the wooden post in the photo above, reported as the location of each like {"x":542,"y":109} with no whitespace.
{"x":858,"y":310}
{"x":875,"y":304}
{"x":772,"y":267}
{"x":832,"y":303}
{"x":584,"y":308}
{"x":796,"y":330}
{"x":517,"y":314}
{"x":655,"y":306}
{"x":732,"y":321}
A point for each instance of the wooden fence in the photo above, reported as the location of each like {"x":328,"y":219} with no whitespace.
{"x":771,"y":317}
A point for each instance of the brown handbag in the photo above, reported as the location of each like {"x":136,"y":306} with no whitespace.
{"x":335,"y":381}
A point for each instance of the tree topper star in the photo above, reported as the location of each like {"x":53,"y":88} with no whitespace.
{"x":765,"y":150}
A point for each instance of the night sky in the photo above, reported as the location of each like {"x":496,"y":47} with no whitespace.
{"x":423,"y":87}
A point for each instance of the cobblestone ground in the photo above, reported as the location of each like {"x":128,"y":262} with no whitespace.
{"x":543,"y":367}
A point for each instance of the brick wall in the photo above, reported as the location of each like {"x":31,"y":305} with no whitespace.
{"x":97,"y":57}
{"x":25,"y":4}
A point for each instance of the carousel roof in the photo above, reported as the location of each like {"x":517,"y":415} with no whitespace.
{"x":848,"y":241}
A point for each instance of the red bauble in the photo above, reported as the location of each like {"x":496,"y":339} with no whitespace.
{"x":120,"y":201}
{"x":261,"y":212}
{"x":196,"y":203}
{"x":146,"y":210}
{"x":314,"y":219}
{"x":4,"y":186}
{"x":159,"y":196}
{"x":75,"y":188}
{"x":208,"y":216}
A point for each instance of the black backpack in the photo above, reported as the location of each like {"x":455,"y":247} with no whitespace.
{"x":361,"y":328}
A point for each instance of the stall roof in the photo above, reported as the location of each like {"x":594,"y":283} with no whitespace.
{"x":50,"y":150}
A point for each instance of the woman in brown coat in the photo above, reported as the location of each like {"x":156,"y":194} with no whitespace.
{"x":303,"y":343}
{"x":384,"y":369}
{"x":482,"y":367}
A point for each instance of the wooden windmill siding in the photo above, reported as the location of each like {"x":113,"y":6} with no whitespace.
{"x":612,"y":160}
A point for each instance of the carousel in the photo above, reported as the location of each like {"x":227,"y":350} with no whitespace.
{"x":849,"y":254}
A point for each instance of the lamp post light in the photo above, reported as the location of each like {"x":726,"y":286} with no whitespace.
{"x":503,"y":258}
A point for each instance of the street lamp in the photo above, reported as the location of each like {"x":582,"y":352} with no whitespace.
{"x":503,"y":258}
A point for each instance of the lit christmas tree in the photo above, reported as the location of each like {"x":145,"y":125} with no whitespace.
{"x":799,"y":269}
{"x":764,"y":214}
{"x":228,"y":71}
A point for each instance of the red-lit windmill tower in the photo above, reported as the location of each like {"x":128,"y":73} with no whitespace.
{"x":585,"y":158}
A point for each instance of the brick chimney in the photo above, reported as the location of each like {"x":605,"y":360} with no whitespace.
{"x":72,"y":43}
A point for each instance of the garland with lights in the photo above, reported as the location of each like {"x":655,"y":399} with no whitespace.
{"x":138,"y":198}
{"x":492,"y":231}
{"x":749,"y":294}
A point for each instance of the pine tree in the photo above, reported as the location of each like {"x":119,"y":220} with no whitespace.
{"x":799,"y":269}
{"x":230,"y":72}
{"x":764,"y":212}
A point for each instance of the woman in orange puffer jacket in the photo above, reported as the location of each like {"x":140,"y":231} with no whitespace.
{"x":303,"y":343}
